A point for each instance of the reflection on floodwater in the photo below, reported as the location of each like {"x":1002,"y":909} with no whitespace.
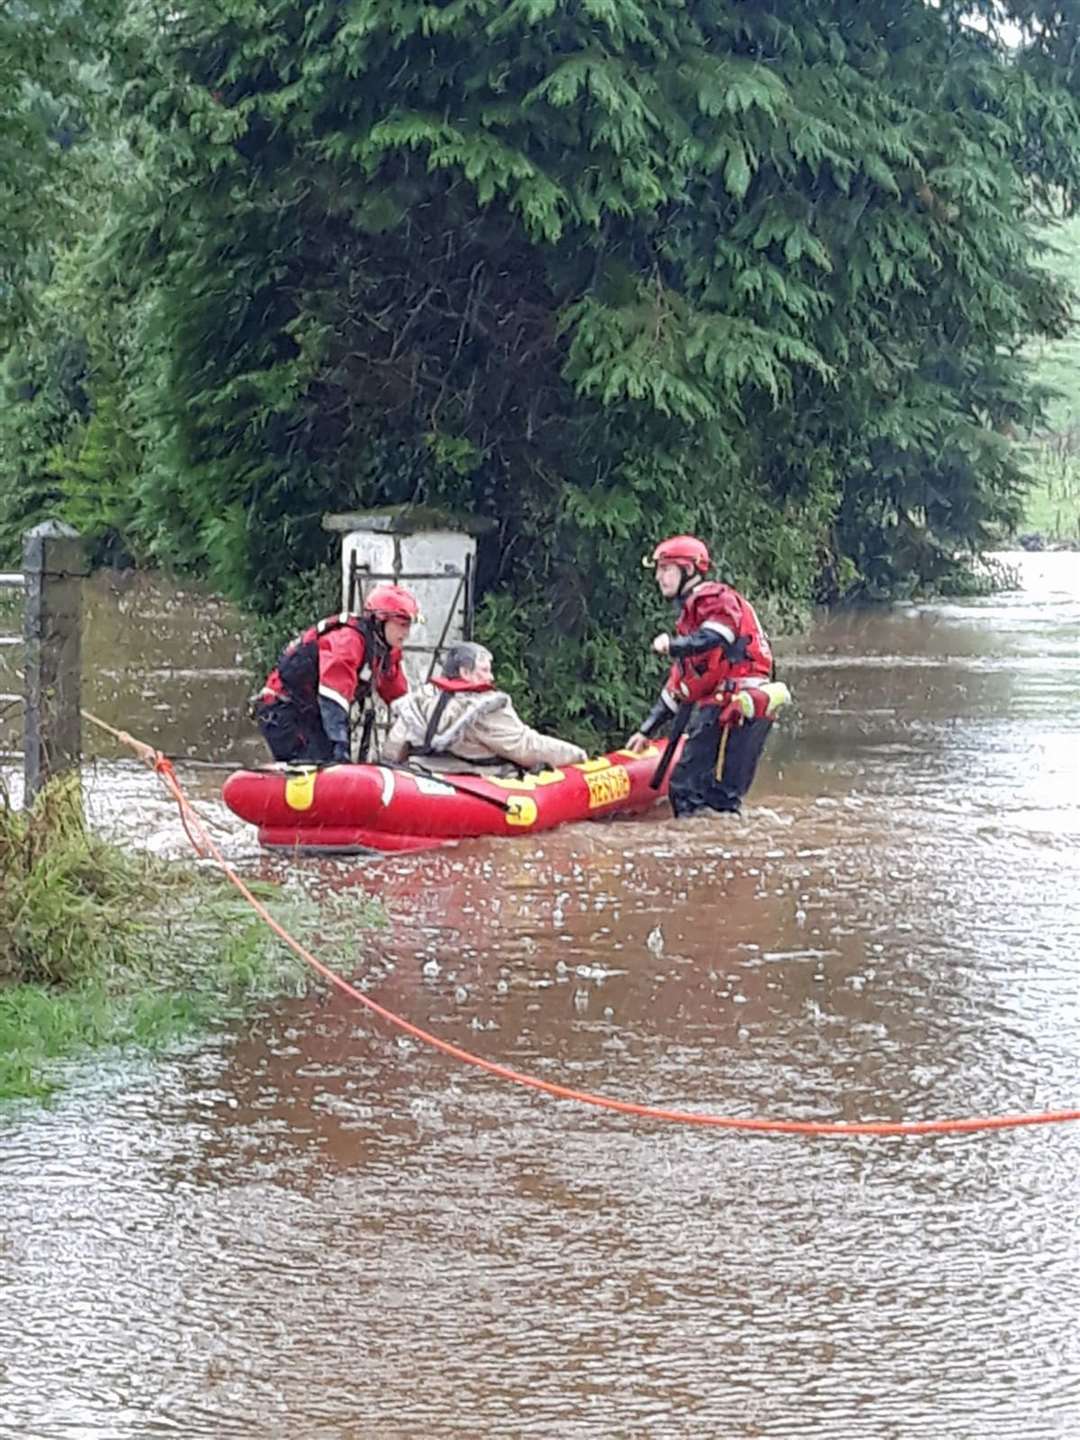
{"x":311,"y":1226}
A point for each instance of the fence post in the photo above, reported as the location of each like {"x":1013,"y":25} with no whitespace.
{"x":54,"y":565}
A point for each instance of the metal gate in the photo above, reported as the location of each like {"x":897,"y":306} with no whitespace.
{"x":462,"y":601}
{"x":12,"y":602}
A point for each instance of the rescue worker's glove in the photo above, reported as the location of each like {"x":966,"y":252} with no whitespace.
{"x":340,"y":753}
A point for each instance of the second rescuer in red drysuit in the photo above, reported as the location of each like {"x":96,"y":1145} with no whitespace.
{"x":304,"y":708}
{"x":723,"y":667}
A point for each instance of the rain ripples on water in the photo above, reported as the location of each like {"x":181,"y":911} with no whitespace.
{"x":311,"y":1226}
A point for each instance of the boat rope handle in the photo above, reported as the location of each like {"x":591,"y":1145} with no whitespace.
{"x":204,"y":845}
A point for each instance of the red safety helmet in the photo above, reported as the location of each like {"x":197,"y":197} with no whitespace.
{"x":391,"y":602}
{"x":681,"y":550}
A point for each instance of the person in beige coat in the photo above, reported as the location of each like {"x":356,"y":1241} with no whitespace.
{"x":460,"y":722}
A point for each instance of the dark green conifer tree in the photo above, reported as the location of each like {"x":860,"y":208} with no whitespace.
{"x":600,"y":269}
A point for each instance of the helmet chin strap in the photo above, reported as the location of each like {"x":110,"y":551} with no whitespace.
{"x":378,"y":628}
{"x":689,"y":580}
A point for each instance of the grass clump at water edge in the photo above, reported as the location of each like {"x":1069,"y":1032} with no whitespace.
{"x":104,"y":947}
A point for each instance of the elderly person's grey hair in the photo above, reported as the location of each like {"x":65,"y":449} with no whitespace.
{"x":463,"y":656}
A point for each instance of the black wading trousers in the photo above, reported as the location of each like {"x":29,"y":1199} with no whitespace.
{"x":294,"y":732}
{"x":695,"y":785}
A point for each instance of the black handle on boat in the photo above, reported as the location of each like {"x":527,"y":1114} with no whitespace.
{"x":366,"y":727}
{"x":682,"y":719}
{"x":453,"y":781}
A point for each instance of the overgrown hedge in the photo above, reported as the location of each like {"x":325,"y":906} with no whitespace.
{"x":599,"y":270}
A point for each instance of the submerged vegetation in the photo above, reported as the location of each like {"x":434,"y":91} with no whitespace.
{"x":104,"y":947}
{"x":71,"y":906}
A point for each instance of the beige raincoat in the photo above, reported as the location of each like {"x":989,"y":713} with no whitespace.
{"x":475,"y":728}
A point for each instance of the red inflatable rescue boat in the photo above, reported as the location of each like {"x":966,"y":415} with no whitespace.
{"x":346,"y":808}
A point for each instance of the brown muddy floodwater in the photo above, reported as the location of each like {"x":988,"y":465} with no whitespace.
{"x":310,"y":1226}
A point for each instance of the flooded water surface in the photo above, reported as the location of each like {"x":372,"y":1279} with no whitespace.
{"x":313,"y":1226}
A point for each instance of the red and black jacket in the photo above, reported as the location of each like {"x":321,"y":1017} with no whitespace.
{"x":334,"y":665}
{"x":718,"y":639}
{"x":719,"y":644}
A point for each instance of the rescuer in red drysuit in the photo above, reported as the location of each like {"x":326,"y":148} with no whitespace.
{"x":722,"y":667}
{"x":304,"y":707}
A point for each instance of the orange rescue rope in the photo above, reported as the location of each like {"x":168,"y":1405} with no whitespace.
{"x":205,"y":846}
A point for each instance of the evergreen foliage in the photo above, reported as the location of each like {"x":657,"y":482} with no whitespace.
{"x":51,"y":84}
{"x":602,"y":269}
